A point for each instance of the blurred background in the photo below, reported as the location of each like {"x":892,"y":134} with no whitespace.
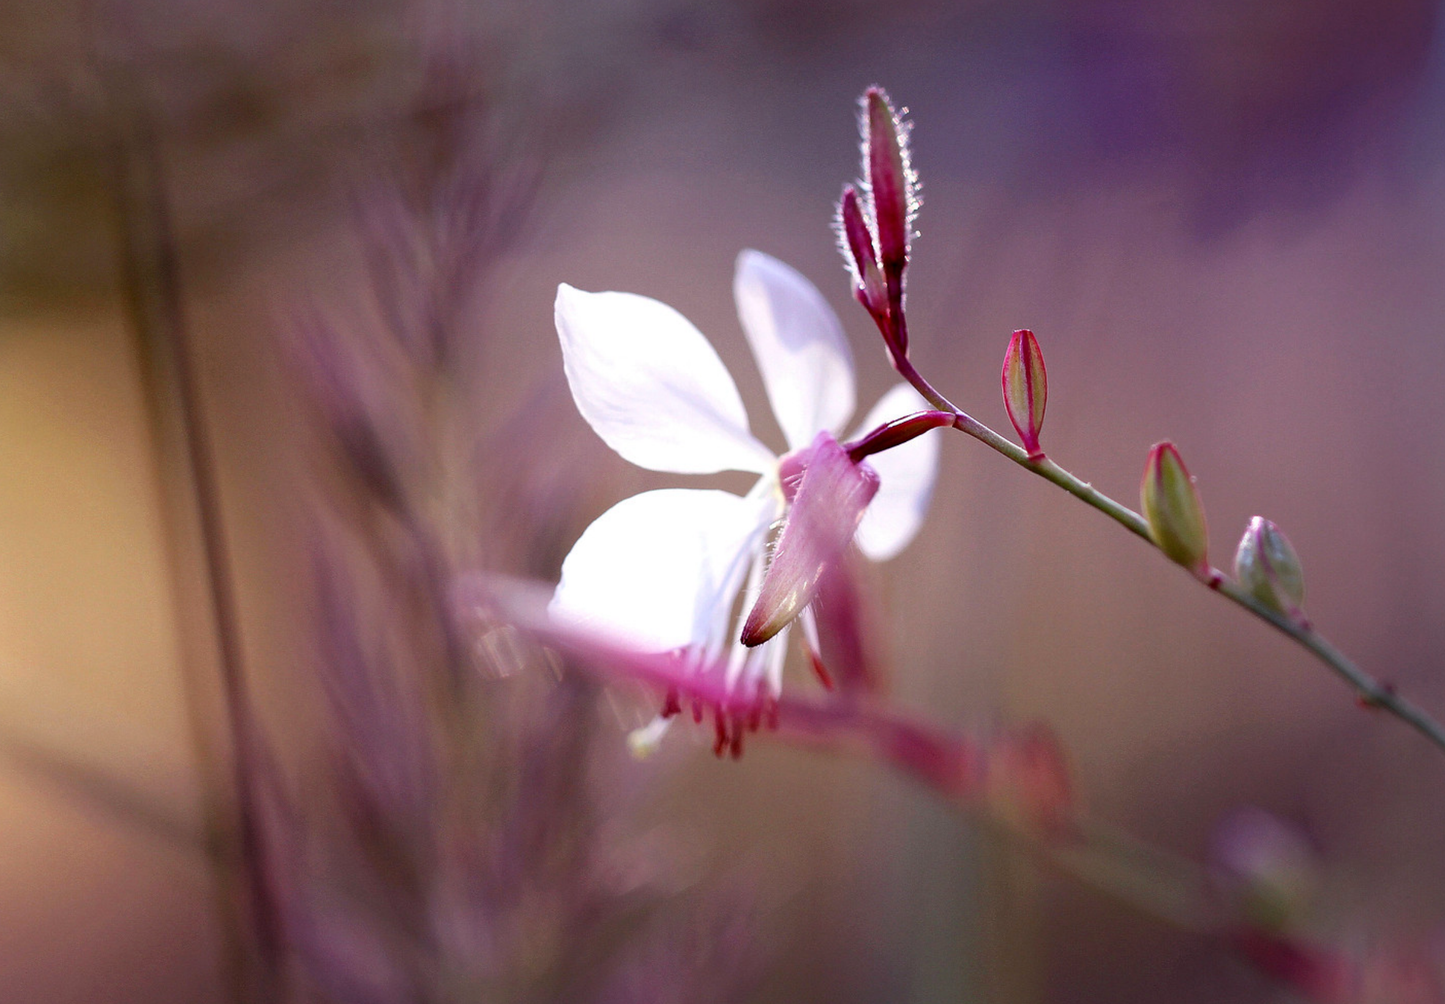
{"x":1225,"y":223}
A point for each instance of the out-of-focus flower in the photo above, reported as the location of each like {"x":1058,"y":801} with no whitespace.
{"x":1030,"y":779}
{"x":1404,"y":974}
{"x":662,"y":569}
{"x":1265,"y":868}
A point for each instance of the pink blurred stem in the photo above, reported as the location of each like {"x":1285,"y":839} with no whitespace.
{"x":957,"y":769}
{"x":950,"y":765}
{"x":1156,"y":883}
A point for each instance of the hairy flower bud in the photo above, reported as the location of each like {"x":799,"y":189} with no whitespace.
{"x":862,"y":258}
{"x":1267,"y":566}
{"x":1025,"y":389}
{"x":890,"y":179}
{"x":1171,"y":506}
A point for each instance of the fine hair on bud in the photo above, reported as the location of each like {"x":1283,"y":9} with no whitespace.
{"x":891,"y":185}
{"x":860,"y":252}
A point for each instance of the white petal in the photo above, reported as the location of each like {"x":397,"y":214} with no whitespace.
{"x":906,"y":473}
{"x":652,"y":387}
{"x":799,"y":345}
{"x":653,"y":570}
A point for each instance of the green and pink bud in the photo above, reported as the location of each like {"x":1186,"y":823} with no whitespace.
{"x":1266,"y":565}
{"x":1173,"y":510}
{"x":1025,"y":389}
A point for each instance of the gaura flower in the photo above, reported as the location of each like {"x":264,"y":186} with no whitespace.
{"x":662,"y":570}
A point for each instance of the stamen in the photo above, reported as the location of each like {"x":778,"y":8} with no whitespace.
{"x":739,"y":656}
{"x":643,"y":742}
{"x":820,"y":670}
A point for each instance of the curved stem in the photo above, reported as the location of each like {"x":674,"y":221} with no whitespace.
{"x":1372,"y":692}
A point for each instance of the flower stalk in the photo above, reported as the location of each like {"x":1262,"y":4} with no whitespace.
{"x":1371,"y":692}
{"x":152,"y":280}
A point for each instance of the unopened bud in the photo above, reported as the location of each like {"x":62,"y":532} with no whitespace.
{"x":897,"y":432}
{"x":1031,"y":776}
{"x":890,"y":179}
{"x":1025,"y":389}
{"x":1172,"y":508}
{"x":861,"y":255}
{"x":1265,"y":868}
{"x":1268,"y":567}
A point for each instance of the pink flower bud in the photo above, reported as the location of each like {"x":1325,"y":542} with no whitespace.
{"x":897,"y":432}
{"x":1025,"y":389}
{"x":1268,"y":567}
{"x":862,"y":257}
{"x":890,"y":179}
{"x":1315,"y":973}
{"x":1171,"y":506}
{"x":1031,"y":777}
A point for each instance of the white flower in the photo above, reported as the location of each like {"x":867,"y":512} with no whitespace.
{"x":662,"y":570}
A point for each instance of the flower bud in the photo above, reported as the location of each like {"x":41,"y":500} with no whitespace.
{"x":1268,"y":567}
{"x":1265,"y":869}
{"x":1025,"y":389}
{"x":1172,"y":508}
{"x":862,"y":258}
{"x":896,"y":433}
{"x":890,"y":178}
{"x":1029,"y":773}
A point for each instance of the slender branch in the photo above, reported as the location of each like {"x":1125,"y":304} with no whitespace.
{"x":153,"y":286}
{"x":1372,"y":692}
